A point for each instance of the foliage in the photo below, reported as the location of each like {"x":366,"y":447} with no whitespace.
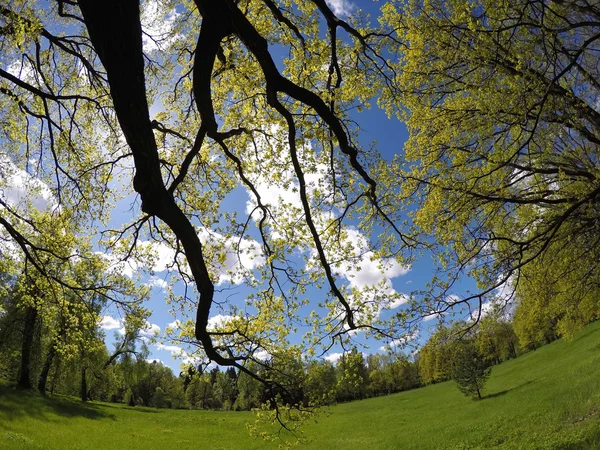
{"x":396,"y":373}
{"x":353,"y":377}
{"x":499,"y":176}
{"x":496,"y":339}
{"x":436,"y":356}
{"x":320,"y":385}
{"x":199,"y":392}
{"x":500,"y":98}
{"x":558,"y":295}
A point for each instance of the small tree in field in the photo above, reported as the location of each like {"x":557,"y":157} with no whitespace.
{"x":471,"y":369}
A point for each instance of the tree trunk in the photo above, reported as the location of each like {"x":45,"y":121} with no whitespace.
{"x":46,"y":370}
{"x":56,"y":374}
{"x":131,"y":400}
{"x":84,"y":390}
{"x":31,"y":315}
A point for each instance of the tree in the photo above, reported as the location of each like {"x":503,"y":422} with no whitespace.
{"x":353,"y":377}
{"x":250,"y":392}
{"x":177,"y":395}
{"x":78,"y":104}
{"x":59,"y":299}
{"x":199,"y":392}
{"x":496,"y":339}
{"x":470,"y":369}
{"x":436,"y":357}
{"x":500,"y":99}
{"x":224,"y":390}
{"x":159,"y":398}
{"x":320,"y":384}
{"x":558,"y":296}
{"x":10,"y":330}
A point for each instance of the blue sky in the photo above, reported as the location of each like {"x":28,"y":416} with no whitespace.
{"x":390,"y":135}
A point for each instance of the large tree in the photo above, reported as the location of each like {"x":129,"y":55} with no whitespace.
{"x":56,"y":303}
{"x":501,"y":100}
{"x":254,"y":94}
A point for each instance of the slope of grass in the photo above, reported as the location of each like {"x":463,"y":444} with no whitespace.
{"x":28,"y":421}
{"x":547,"y":399}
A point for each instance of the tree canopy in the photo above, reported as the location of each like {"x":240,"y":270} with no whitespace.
{"x":501,"y":101}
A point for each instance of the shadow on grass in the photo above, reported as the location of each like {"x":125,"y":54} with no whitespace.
{"x":506,"y":391}
{"x":16,"y":403}
{"x":142,"y":409}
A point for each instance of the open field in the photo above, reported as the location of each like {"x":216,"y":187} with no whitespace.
{"x":546,"y":399}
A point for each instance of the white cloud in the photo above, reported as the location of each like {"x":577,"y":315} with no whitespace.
{"x":149,"y":330}
{"x":218,"y":322}
{"x":18,"y":188}
{"x":161,"y":256}
{"x":23,"y":70}
{"x":362,"y":268}
{"x":194,"y":360}
{"x":262,"y":355}
{"x":164,"y":256}
{"x":174,"y":349}
{"x":432,"y":316}
{"x":502,"y":306}
{"x":333,"y":357}
{"x":241,"y":257}
{"x":400,"y":342}
{"x":341,"y":7}
{"x":9,"y":249}
{"x":280,"y":191}
{"x":127,"y":268}
{"x":110,"y":323}
{"x":368,"y":276}
{"x":452,"y":299}
{"x":153,"y":256}
{"x":397,"y":301}
{"x":175,"y":324}
{"x":506,"y":291}
{"x":158,"y":21}
{"x":233,"y":259}
{"x":157,"y":282}
{"x":486,"y":308}
{"x":155,"y":360}
{"x":444,"y":305}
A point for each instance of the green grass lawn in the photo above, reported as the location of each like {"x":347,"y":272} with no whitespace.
{"x":546,"y":399}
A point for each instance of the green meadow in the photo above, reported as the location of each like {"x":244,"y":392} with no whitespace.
{"x":545,"y":399}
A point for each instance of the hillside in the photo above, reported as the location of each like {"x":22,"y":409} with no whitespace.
{"x":546,"y":399}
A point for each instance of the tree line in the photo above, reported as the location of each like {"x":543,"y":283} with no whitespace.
{"x":72,"y":359}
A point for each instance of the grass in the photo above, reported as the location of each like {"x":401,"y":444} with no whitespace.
{"x":546,"y":399}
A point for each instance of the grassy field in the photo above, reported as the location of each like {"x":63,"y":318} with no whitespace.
{"x":547,"y":399}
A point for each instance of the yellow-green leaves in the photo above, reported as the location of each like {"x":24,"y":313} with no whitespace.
{"x":501,"y":159}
